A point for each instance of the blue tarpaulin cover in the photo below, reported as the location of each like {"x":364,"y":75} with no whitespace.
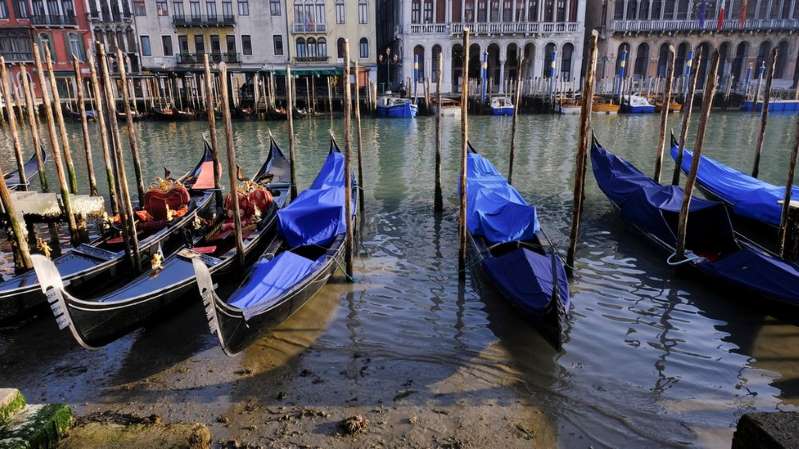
{"x":749,"y":197}
{"x":269,"y":280}
{"x":535,"y":292}
{"x":495,"y":209}
{"x":317,"y":215}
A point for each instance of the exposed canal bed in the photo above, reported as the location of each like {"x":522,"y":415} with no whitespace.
{"x":653,"y":359}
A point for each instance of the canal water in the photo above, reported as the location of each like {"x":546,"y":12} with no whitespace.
{"x":652,"y":359}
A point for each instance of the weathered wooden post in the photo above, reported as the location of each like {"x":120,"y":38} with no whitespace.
{"x":764,"y":113}
{"x":56,"y":106}
{"x":12,"y":123}
{"x":348,"y":244}
{"x":56,"y":149}
{"x":358,"y":137}
{"x":516,"y":105}
{"x":87,"y":143}
{"x":664,"y":114}
{"x":290,"y":120}
{"x":330,"y":95}
{"x":438,"y":197}
{"x":788,"y":217}
{"x":30,"y":109}
{"x":22,"y":253}
{"x":307,"y":96}
{"x":209,"y":112}
{"x":99,"y":114}
{"x":132,"y":137}
{"x":313,"y":95}
{"x":464,"y":155}
{"x":687,"y":110}
{"x":231,"y":161}
{"x":126,"y":213}
{"x":707,"y":102}
{"x":582,"y":151}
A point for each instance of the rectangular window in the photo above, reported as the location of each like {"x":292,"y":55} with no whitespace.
{"x":416,"y":12}
{"x":76,"y":46}
{"x":183,"y":44}
{"x":246,"y":44}
{"x":161,"y":7}
{"x":194,"y":7}
{"x":363,"y":11}
{"x":364,"y":47}
{"x":210,"y":9}
{"x":216,"y":47}
{"x":227,"y":9}
{"x":166,"y":42}
{"x":277,"y":42}
{"x":3,"y":10}
{"x":138,"y":8}
{"x":428,"y":11}
{"x":67,"y":7}
{"x":340,"y":17}
{"x":199,"y":44}
{"x":145,"y":46}
{"x":274,"y":7}
{"x":45,"y":40}
{"x":230,"y":43}
{"x":21,"y":8}
{"x":177,"y":9}
{"x":244,"y":7}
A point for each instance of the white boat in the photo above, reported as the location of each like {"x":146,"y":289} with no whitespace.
{"x":501,"y":105}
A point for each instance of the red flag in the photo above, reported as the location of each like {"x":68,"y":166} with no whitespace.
{"x":720,"y":23}
{"x":742,"y":16}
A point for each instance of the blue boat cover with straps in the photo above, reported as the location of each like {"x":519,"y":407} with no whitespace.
{"x":316,"y":216}
{"x":495,"y":209}
{"x":535,"y":271}
{"x":749,"y":197}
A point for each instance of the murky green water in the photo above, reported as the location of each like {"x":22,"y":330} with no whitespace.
{"x":652,"y":360}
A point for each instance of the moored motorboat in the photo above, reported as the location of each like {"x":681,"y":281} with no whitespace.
{"x":307,"y":249}
{"x":396,"y":107}
{"x":173,"y":114}
{"x":511,"y":250}
{"x":636,"y":104}
{"x":98,"y":321}
{"x":712,"y":248}
{"x":449,"y":107}
{"x":673,"y":106}
{"x":568,"y":107}
{"x":501,"y":105}
{"x":604,"y":107}
{"x":90,"y":267}
{"x":774,"y":105}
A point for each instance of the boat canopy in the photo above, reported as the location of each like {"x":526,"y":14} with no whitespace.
{"x":655,"y":208}
{"x":538,"y":272}
{"x":316,"y":217}
{"x":748,"y":196}
{"x":495,"y":209}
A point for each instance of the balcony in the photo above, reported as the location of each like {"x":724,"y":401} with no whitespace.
{"x":496,"y":29}
{"x":53,"y":20}
{"x":309,"y":28}
{"x":16,"y":56}
{"x":311,"y":59}
{"x":203,"y":21}
{"x":197,"y":58}
{"x":710,"y":25}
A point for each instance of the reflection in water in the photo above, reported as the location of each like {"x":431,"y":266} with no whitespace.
{"x":653,"y":359}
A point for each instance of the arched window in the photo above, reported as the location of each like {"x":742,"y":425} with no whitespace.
{"x":301,"y":48}
{"x":782,"y":55}
{"x":642,"y":60}
{"x":340,"y":48}
{"x":436,"y":57}
{"x":622,"y":58}
{"x":321,"y":47}
{"x":566,"y":62}
{"x":549,"y":60}
{"x":363,"y":46}
{"x":311,"y":47}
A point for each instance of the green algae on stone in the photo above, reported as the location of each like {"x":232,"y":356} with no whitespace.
{"x":36,"y":427}
{"x":12,"y":402}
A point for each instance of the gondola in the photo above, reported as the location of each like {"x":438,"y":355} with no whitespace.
{"x":307,"y":249}
{"x":755,"y":205}
{"x":280,"y":114}
{"x":712,"y":248}
{"x":509,"y":249}
{"x":98,"y":321}
{"x":13,"y":181}
{"x":74,"y":115}
{"x":173,"y":114}
{"x":90,"y":267}
{"x":136,"y":115}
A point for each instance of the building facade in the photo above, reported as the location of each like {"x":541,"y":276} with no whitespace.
{"x":61,"y":25}
{"x":248,"y":35}
{"x":318,"y":29}
{"x":112,"y":24}
{"x":547,"y":35}
{"x":637,"y":33}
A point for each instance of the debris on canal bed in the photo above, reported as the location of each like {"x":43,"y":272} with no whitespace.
{"x":354,"y":425}
{"x":127,"y":431}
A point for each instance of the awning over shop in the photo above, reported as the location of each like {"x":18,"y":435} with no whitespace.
{"x":310,"y":71}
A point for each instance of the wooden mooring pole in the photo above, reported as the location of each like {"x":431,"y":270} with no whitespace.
{"x":790,"y":212}
{"x":582,"y":151}
{"x":516,"y":104}
{"x":84,"y":122}
{"x":359,"y":138}
{"x":687,"y":109}
{"x":707,"y":102}
{"x":348,"y":244}
{"x":290,"y":122}
{"x":56,"y":149}
{"x":231,"y":161}
{"x":438,"y":199}
{"x":12,"y":124}
{"x":330,"y":96}
{"x":59,"y":115}
{"x":664,"y":115}
{"x":764,"y":113}
{"x":463,"y":159}
{"x":99,"y":114}
{"x":22,"y":253}
{"x":209,"y":112}
{"x":30,"y":109}
{"x":133,"y":139}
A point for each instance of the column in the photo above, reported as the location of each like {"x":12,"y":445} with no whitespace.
{"x":446,"y":74}
{"x":538,"y":62}
{"x":435,"y":10}
{"x":428,"y":66}
{"x":525,"y":12}
{"x":513,"y":17}
{"x":690,"y":8}
{"x":463,"y":11}
{"x":501,"y":76}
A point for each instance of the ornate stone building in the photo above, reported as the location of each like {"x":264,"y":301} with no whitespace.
{"x":539,"y":31}
{"x":744,"y":32}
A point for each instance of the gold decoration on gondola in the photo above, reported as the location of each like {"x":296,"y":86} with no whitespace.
{"x":197,"y":223}
{"x":170,"y":214}
{"x":157,"y":262}
{"x":43,"y":247}
{"x":164,"y":185}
